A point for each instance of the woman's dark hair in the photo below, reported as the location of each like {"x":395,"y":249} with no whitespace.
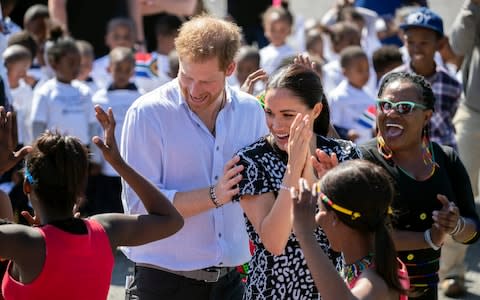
{"x":305,"y":84}
{"x":60,"y":47}
{"x":423,"y":86}
{"x":363,"y":187}
{"x":57,"y":167}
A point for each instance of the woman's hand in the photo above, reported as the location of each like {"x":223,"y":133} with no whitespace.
{"x":322,"y":162}
{"x":108,"y":145}
{"x":227,"y":186}
{"x":298,"y":144}
{"x":447,"y":217}
{"x":305,"y":61}
{"x":444,"y":220}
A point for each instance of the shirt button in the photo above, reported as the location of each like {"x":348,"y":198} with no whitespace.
{"x":220,"y":264}
{"x":423,"y":216}
{"x":410,"y":256}
{"x":216,"y":177}
{"x":220,"y":235}
{"x":218,"y":148}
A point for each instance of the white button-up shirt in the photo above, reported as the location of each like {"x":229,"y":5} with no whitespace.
{"x":168,"y":144}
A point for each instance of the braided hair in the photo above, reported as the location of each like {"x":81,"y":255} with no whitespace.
{"x":423,"y":86}
{"x":57,"y":170}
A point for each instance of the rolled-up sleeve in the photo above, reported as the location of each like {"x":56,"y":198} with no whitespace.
{"x":142,"y":148}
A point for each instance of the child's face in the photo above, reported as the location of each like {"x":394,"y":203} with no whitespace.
{"x":357,"y":72}
{"x":165,"y":44}
{"x":38,"y":28}
{"x":121,"y":73}
{"x":421,"y":45}
{"x":18,"y":70}
{"x":277,"y":32}
{"x":67,"y":67}
{"x":86,"y":65}
{"x":120,"y":36}
{"x":246,"y":67}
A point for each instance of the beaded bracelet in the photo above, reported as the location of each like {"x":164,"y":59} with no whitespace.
{"x":213,"y":197}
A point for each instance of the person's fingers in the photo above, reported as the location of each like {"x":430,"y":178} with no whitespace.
{"x":294,"y":194}
{"x":294,"y":125}
{"x":20,"y":154}
{"x":444,"y":201}
{"x":232,"y":172}
{"x":232,"y":162}
{"x":99,"y":143}
{"x":29,"y":218}
{"x":233,"y":181}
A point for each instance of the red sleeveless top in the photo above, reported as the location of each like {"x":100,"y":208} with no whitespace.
{"x":77,"y":266}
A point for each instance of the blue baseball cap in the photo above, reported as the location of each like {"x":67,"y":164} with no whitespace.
{"x":424,"y":18}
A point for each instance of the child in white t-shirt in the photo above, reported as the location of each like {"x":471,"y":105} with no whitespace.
{"x":18,"y":60}
{"x":119,"y":96}
{"x":87,"y":55}
{"x":277,"y":24}
{"x":120,"y":33}
{"x":63,"y":103}
{"x":350,"y":106}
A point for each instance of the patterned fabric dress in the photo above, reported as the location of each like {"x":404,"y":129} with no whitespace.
{"x":284,"y":276}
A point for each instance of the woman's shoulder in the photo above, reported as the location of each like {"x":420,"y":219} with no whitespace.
{"x":342,"y":148}
{"x":259,"y":146}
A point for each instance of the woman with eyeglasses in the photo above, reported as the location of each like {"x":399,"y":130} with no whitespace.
{"x":434,"y":197}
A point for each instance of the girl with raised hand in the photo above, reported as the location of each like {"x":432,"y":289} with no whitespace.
{"x":72,"y":258}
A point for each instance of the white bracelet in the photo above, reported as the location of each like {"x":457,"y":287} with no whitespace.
{"x":458,"y":227}
{"x":284,"y":187}
{"x":428,"y":239}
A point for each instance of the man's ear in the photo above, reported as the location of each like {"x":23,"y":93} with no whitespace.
{"x":441,"y":43}
{"x":230,"y":69}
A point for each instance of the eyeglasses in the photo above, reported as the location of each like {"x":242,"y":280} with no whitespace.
{"x":402,"y":107}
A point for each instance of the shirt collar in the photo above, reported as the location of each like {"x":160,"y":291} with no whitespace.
{"x":131,"y":87}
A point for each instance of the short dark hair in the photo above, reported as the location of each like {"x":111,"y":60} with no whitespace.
{"x":167,"y":24}
{"x":36,"y":11}
{"x":283,"y":14}
{"x":60,"y":48}
{"x":423,"y":86}
{"x":349,"y":54}
{"x":16,"y":53}
{"x":248,"y":53}
{"x":306,"y":85}
{"x":386,"y":56}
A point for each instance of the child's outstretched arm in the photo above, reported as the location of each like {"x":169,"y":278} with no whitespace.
{"x":162,"y":220}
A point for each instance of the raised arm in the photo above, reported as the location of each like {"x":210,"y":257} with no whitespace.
{"x":162,"y":220}
{"x":58,"y":12}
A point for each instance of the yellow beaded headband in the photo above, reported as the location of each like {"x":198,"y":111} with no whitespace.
{"x":354,"y":214}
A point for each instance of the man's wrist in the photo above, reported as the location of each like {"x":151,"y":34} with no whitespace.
{"x":213,"y":197}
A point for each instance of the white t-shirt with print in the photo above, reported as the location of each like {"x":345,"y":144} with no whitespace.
{"x":64,"y":107}
{"x":22,"y":103}
{"x":271,"y":57}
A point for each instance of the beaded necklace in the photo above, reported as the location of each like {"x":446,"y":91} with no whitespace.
{"x":353,"y":271}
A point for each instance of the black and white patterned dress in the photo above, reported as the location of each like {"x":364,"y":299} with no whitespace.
{"x":284,"y":276}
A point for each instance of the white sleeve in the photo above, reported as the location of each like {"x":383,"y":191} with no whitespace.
{"x":40,"y":108}
{"x":142,"y":147}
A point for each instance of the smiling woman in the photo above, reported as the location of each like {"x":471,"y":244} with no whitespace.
{"x":434,"y":198}
{"x":294,"y":100}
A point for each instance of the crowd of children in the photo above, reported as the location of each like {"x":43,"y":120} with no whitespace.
{"x":53,"y":82}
